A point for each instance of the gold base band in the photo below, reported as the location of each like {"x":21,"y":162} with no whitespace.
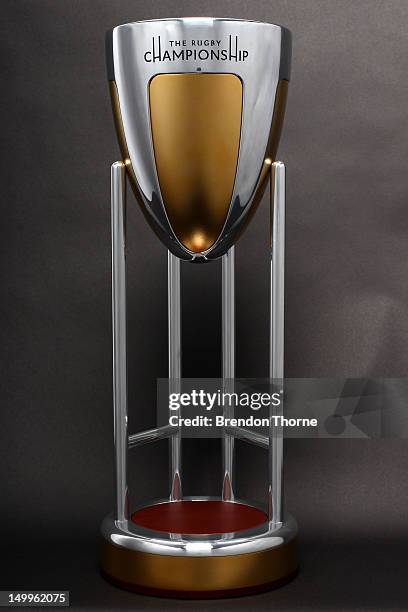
{"x":199,"y":577}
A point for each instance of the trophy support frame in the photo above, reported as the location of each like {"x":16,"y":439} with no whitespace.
{"x":254,"y":558}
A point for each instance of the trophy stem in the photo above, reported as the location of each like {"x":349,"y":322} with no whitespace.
{"x":200,"y":546}
{"x":228,"y":365}
{"x":118,"y":212}
{"x":277,"y":338}
{"x":174,"y":340}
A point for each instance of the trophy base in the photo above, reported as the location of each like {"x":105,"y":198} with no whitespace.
{"x":247,"y":557}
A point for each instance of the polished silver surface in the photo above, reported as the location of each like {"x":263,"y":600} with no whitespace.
{"x":228,"y":314}
{"x":118,"y":215}
{"x":150,"y":435}
{"x":228,"y":366}
{"x":247,"y":435}
{"x":167,"y":431}
{"x":137,"y":538}
{"x":250,"y":50}
{"x":174,"y":348}
{"x":118,"y":529}
{"x":277,"y":337}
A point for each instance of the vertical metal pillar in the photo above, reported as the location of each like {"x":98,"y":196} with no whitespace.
{"x":277,"y":338}
{"x":228,"y":365}
{"x":118,"y":212}
{"x":174,"y":340}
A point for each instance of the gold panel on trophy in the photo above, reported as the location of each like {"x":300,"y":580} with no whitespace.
{"x":196,"y":129}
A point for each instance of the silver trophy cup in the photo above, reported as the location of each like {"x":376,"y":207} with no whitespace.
{"x":198,"y":106}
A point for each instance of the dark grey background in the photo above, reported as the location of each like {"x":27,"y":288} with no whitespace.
{"x":345,"y":145}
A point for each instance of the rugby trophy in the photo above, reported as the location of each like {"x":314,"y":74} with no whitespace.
{"x":198,"y":105}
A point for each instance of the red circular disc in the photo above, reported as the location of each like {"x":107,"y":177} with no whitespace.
{"x":201,"y":517}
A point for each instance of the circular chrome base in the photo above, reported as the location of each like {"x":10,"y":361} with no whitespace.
{"x":198,"y":566}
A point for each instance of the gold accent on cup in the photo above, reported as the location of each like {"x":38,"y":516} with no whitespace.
{"x":196,"y":129}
